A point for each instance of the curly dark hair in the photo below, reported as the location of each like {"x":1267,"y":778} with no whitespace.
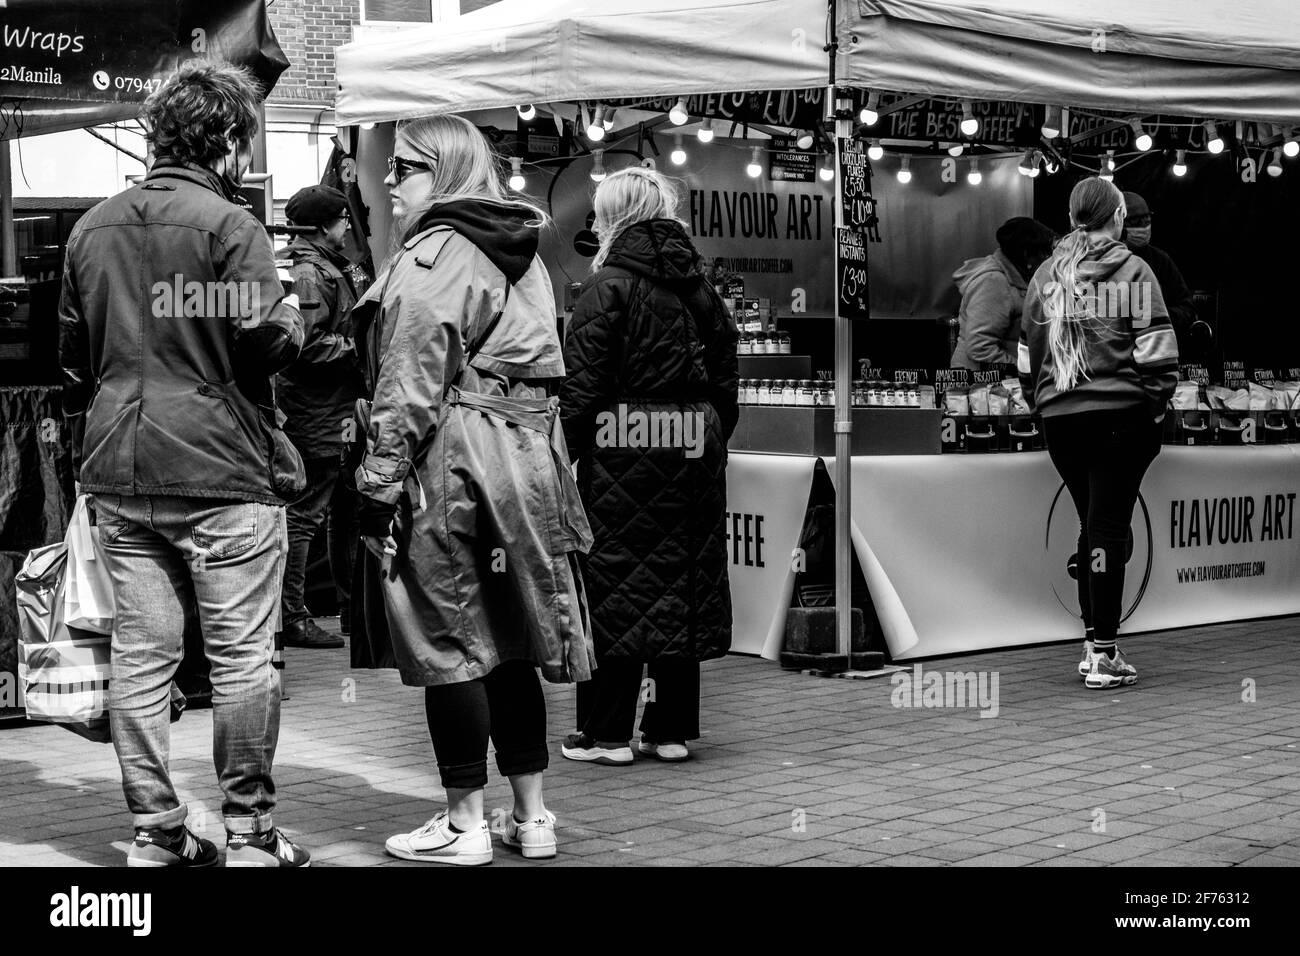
{"x":191,"y":115}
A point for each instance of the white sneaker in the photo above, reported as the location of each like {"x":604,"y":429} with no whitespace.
{"x":435,"y":842}
{"x":581,"y":747}
{"x":534,"y":838}
{"x":670,"y":752}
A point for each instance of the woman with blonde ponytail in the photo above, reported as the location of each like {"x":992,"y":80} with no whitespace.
{"x":1099,"y":361}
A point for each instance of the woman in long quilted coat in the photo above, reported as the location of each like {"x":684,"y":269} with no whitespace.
{"x":647,"y":406}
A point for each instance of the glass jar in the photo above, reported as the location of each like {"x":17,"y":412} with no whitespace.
{"x":873,"y":394}
{"x":788,"y":392}
{"x":744,"y":345}
{"x":760,"y":344}
{"x":750,"y":391}
{"x":783,"y":343}
{"x":742,"y":392}
{"x":913,"y":397}
{"x":826,"y":394}
{"x":762,"y":391}
{"x":859,"y":393}
{"x":807,"y":396}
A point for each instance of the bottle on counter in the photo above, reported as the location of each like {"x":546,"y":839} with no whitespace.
{"x":913,"y":397}
{"x":783,"y":343}
{"x":806,"y":394}
{"x":873,"y":394}
{"x":742,"y":391}
{"x":826,"y":393}
{"x":788,"y":392}
{"x":859,"y":393}
{"x":745,"y":344}
{"x":750,"y":391}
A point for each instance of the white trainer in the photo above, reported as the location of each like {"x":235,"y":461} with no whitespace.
{"x":1085,"y":665}
{"x":669,"y":752}
{"x":535,"y":838}
{"x":436,"y":842}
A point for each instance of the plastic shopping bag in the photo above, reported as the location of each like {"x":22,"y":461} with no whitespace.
{"x":88,"y":593}
{"x":63,"y":672}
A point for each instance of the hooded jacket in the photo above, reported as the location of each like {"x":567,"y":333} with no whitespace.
{"x":651,"y":343}
{"x":1130,"y":352}
{"x":992,"y":296}
{"x":469,"y":459}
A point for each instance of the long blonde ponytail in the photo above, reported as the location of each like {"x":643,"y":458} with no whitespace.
{"x":1070,"y":310}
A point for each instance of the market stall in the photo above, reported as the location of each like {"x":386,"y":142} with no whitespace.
{"x":949,"y":118}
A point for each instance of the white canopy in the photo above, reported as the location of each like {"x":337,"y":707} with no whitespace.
{"x":1225,"y":59}
{"x":550,"y":51}
{"x":1222,"y":59}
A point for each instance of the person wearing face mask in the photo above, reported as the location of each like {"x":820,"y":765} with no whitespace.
{"x":993,"y":292}
{"x":317,"y":394}
{"x":1098,"y":361}
{"x":173,"y":323}
{"x":1191,"y":331}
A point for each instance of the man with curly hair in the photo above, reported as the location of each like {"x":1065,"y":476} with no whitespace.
{"x":174,"y":322}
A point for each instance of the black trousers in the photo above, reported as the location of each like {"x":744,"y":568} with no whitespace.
{"x":607,"y":702}
{"x":507,"y":705}
{"x":1101,"y":457}
{"x":326,"y":496}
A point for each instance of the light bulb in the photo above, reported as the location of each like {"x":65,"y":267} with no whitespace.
{"x":678,"y":155}
{"x":608,"y":121}
{"x":1029,"y":165}
{"x":678,"y":114}
{"x":596,"y":128}
{"x":974,"y":177}
{"x":1180,"y":163}
{"x":597,"y":165}
{"x":1110,"y":160}
{"x":1051,"y":123}
{"x":1107,"y":171}
{"x":517,"y":182}
{"x":755,"y":167}
{"x":870,"y":114}
{"x":1291,"y":148}
{"x":1275,"y":164}
{"x":1141,"y":138}
{"x":527,"y":112}
{"x":805,"y":140}
{"x":367,"y":125}
{"x":969,"y":124}
{"x":956,"y":149}
{"x":904,"y":171}
{"x":1213,"y":142}
{"x":827,"y":172}
{"x":705,"y":133}
{"x":875,"y":152}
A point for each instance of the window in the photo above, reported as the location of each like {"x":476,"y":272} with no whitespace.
{"x":397,"y":11}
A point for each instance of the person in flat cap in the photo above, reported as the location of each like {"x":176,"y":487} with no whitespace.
{"x":317,"y":394}
{"x":1193,"y":334}
{"x":992,"y":291}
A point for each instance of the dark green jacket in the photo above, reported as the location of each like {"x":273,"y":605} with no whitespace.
{"x":173,"y":325}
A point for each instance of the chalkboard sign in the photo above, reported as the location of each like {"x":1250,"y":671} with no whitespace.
{"x":790,"y":164}
{"x":1194,"y":373}
{"x":1234,"y":375}
{"x":855,"y":186}
{"x":851,"y":273}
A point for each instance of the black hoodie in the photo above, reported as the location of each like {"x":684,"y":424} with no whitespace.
{"x":657,"y":249}
{"x":506,"y":234}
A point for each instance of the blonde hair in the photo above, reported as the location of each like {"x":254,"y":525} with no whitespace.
{"x":465,"y":166}
{"x":629,"y":196}
{"x":1069,"y":311}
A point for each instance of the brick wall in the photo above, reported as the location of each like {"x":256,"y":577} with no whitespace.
{"x":309,"y":31}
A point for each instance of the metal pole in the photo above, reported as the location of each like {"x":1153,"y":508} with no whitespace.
{"x":843,"y":387}
{"x":8,"y":240}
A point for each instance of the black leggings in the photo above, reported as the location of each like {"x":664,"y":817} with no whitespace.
{"x":506,"y":705}
{"x":1101,"y":457}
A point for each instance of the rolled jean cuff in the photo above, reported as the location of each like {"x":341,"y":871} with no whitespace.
{"x":249,"y":823}
{"x":528,"y":760}
{"x":166,"y":820}
{"x":464,"y":776}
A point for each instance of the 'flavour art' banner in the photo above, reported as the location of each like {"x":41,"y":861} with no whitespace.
{"x":968,"y":552}
{"x":777,"y":235}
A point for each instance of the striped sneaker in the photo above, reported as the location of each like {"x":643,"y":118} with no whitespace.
{"x":264,"y":849}
{"x":1110,"y":672}
{"x":534,"y":838}
{"x":437,"y":842}
{"x":154,"y":846}
{"x":582,"y":747}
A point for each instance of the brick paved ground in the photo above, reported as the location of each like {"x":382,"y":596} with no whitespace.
{"x":1185,"y":771}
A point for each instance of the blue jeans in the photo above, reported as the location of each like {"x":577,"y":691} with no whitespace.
{"x":229,"y":556}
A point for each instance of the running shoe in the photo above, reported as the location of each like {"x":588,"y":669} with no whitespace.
{"x":1110,"y":672}
{"x":1085,"y":665}
{"x":437,"y":842}
{"x":669,"y":752}
{"x":534,"y":838}
{"x":271,"y":848}
{"x":154,"y":846}
{"x":582,"y":747}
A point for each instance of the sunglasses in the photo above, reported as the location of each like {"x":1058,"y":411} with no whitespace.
{"x":401,"y":167}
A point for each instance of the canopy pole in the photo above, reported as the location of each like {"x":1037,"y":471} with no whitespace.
{"x":8,"y":239}
{"x":843,"y":128}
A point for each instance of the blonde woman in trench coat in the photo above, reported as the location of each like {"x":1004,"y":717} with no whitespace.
{"x":469,"y":511}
